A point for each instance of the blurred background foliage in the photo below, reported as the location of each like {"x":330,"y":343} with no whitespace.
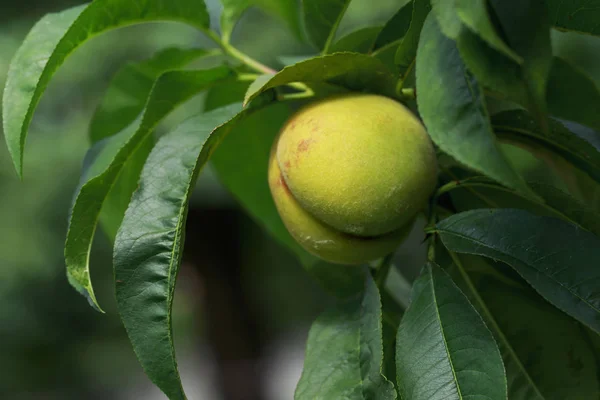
{"x":243,"y":305}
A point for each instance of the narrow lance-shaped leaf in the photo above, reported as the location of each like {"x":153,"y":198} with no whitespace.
{"x":149,"y":244}
{"x":553,"y":202}
{"x":474,"y":14}
{"x":344,"y":352}
{"x":561,"y":366}
{"x":128,"y":91}
{"x":575,"y":15}
{"x":558,"y":259}
{"x":407,"y":50}
{"x":527,"y":30}
{"x":573,"y":95}
{"x":250,"y":140}
{"x":443,"y":348}
{"x":360,"y":41}
{"x":322,"y":18}
{"x":452,"y":106}
{"x":349,"y":70}
{"x":107,"y":160}
{"x":54,"y":38}
{"x":394,"y":30}
{"x":517,"y":125}
{"x":286,"y":10}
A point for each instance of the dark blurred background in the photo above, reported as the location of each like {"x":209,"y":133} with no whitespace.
{"x":243,"y":305}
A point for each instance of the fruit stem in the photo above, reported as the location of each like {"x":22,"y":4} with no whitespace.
{"x":295,"y":96}
{"x":383,"y":270}
{"x":409,"y":93}
{"x":238,"y":55}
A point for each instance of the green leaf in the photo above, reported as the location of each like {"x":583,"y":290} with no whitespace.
{"x":544,"y":351}
{"x":54,"y":38}
{"x":518,"y":69}
{"x":573,"y":95}
{"x":575,"y":15}
{"x":149,"y":244}
{"x":395,"y":29}
{"x":517,"y":125}
{"x":353,"y":71}
{"x":443,"y":348}
{"x":360,"y":41}
{"x":108,"y":159}
{"x":474,"y":14}
{"x":526,"y":28}
{"x":250,"y":142}
{"x":546,"y":341}
{"x":555,"y":203}
{"x":344,"y":352}
{"x":287,"y":10}
{"x":452,"y":107}
{"x":322,"y":18}
{"x":117,"y":201}
{"x":128,"y":90}
{"x":556,"y":258}
{"x":407,"y":50}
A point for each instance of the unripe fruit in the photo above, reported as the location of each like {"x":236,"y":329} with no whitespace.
{"x":349,"y":174}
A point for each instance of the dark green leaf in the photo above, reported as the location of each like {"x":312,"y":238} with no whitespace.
{"x":517,"y":125}
{"x":555,"y":203}
{"x":149,"y":244}
{"x":407,"y":50}
{"x":250,"y":142}
{"x":443,"y":348}
{"x":395,"y":29}
{"x":556,"y":258}
{"x":575,"y":15}
{"x":287,"y":10}
{"x":322,"y":18}
{"x":360,"y":41}
{"x":128,"y":91}
{"x":474,"y":14}
{"x":451,"y":105}
{"x":224,"y":94}
{"x":108,"y":158}
{"x":527,"y":31}
{"x":546,"y":341}
{"x":349,"y":70}
{"x":543,"y":349}
{"x":447,"y":16}
{"x":344,"y":352}
{"x":573,"y":95}
{"x":56,"y":36}
{"x":501,"y":75}
{"x":117,"y":201}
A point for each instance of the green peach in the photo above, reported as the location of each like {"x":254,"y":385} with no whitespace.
{"x":349,"y":174}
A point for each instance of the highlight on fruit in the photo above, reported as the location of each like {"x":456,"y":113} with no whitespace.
{"x":349,"y":174}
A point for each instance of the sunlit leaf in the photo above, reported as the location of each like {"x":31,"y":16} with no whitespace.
{"x":128,"y":90}
{"x":108,"y":158}
{"x":54,"y":38}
